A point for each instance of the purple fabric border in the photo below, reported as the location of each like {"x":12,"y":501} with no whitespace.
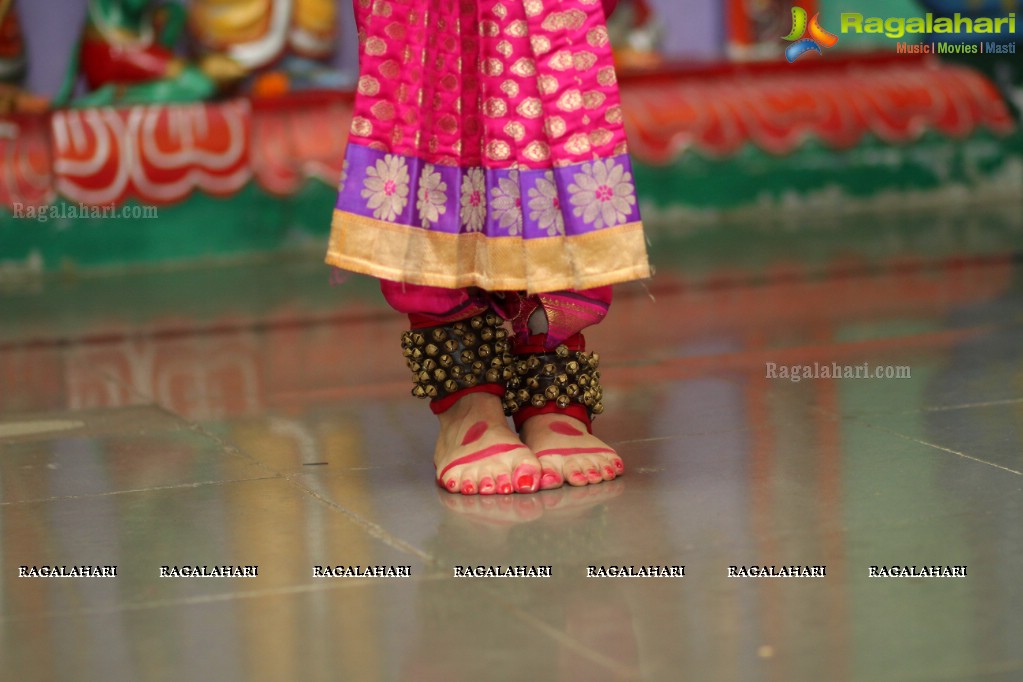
{"x":525,"y":222}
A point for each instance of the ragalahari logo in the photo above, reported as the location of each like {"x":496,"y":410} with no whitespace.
{"x":807,"y":36}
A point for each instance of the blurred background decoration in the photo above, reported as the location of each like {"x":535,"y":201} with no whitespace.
{"x":230,"y":117}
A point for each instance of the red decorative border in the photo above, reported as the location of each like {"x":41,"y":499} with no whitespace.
{"x":161,"y":154}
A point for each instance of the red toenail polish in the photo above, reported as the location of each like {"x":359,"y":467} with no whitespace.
{"x":609,"y":471}
{"x":505,"y":488}
{"x":452,"y":484}
{"x":525,"y":482}
{"x":619,"y":464}
{"x":549,"y":480}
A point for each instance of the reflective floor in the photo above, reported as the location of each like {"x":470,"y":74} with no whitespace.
{"x":258,"y":416}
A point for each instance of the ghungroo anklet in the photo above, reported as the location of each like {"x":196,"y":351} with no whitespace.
{"x":450,"y":358}
{"x":562,"y":377}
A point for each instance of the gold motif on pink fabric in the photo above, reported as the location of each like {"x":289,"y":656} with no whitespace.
{"x":531,"y":107}
{"x":593,"y":99}
{"x":395,"y":31}
{"x":498,"y":150}
{"x":561,"y":61}
{"x":597,"y":37}
{"x":541,"y":45}
{"x":606,"y":76}
{"x":505,"y":100}
{"x":556,"y":127}
{"x":362,"y":127}
{"x":368,"y":85}
{"x":537,"y":151}
{"x":524,"y":68}
{"x":569,"y":20}
{"x":493,"y":67}
{"x":515,"y":131}
{"x":495,"y":107}
{"x":600,"y":137}
{"x":517,"y":29}
{"x":571,"y":100}
{"x":547,"y":84}
{"x":584,"y":61}
{"x":383,"y":110}
{"x":578,"y":144}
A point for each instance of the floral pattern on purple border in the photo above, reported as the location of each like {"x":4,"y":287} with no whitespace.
{"x":569,"y":200}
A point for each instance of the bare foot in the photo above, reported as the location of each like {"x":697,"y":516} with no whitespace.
{"x":478,"y":453}
{"x":568,"y":453}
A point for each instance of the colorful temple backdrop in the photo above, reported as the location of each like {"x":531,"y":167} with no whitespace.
{"x":719,"y":125}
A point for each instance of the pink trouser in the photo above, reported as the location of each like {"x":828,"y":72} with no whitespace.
{"x":567,"y":312}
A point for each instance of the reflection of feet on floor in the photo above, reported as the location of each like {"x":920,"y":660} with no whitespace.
{"x":477,"y":453}
{"x":568,"y":453}
{"x":509,"y":510}
{"x":495,"y":510}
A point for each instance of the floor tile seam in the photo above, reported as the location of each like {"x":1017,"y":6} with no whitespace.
{"x":222,"y":445}
{"x":684,"y":434}
{"x":373,"y":529}
{"x":564,"y":639}
{"x":942,"y":448}
{"x":948,"y":408}
{"x":199,"y":600}
{"x":132,"y":491}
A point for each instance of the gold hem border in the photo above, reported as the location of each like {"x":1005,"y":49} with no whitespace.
{"x":452,"y":261}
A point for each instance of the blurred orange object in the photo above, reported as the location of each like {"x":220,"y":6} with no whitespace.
{"x":273,"y":84}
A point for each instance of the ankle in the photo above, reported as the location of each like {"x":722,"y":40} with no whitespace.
{"x":478,"y":406}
